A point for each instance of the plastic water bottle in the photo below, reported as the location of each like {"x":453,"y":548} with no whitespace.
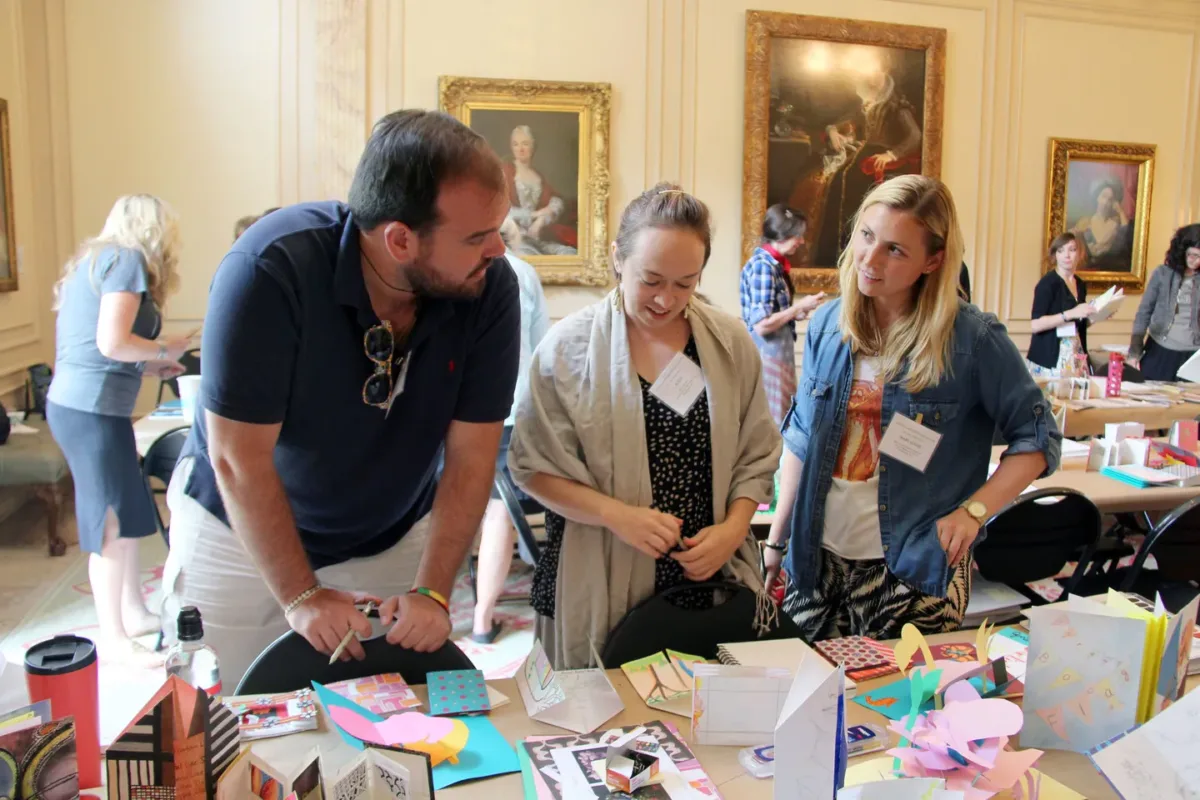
{"x":190,"y":658}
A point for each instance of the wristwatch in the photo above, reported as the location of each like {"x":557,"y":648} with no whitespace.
{"x":162,"y":352}
{"x":977,"y":510}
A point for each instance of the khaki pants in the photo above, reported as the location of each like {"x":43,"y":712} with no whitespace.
{"x":208,"y":567}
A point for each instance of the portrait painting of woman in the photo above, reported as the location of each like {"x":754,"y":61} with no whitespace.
{"x":540,"y":152}
{"x":1101,"y":197}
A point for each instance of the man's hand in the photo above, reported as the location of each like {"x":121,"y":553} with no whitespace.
{"x":709,"y":550}
{"x":421,"y":623}
{"x":324,"y":618}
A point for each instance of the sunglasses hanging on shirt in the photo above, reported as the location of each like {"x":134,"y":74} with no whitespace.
{"x":379,"y":344}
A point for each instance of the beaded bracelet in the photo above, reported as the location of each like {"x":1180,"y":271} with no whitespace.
{"x":436,"y":597}
{"x":299,"y":599}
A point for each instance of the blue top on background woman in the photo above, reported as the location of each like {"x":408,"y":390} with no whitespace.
{"x":878,"y":537}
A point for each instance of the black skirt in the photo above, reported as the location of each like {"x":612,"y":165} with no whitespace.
{"x":1162,"y":363}
{"x":101,"y":452}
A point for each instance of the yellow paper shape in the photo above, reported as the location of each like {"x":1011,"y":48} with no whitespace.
{"x":1156,"y":633}
{"x":1068,"y":675}
{"x":910,"y":642}
{"x":982,"y":638}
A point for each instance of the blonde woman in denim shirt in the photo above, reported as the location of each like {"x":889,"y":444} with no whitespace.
{"x":868,"y":542}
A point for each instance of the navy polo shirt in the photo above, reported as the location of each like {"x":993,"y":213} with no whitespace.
{"x":283,"y":343}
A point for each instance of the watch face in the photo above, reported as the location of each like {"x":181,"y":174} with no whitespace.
{"x":977,"y":510}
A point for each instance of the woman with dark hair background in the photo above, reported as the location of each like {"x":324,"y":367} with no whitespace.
{"x":1169,"y":310}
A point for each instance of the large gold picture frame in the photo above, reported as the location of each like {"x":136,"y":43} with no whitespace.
{"x":8,"y":227}
{"x":866,"y":81}
{"x":1102,"y":190}
{"x":553,"y":138}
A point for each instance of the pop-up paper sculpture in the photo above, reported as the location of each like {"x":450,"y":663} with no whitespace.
{"x":181,"y":741}
{"x":250,"y":777}
{"x":964,"y":739}
{"x":384,"y":773}
{"x":664,"y":680}
{"x":264,"y":716}
{"x":631,"y":766}
{"x":578,"y":700}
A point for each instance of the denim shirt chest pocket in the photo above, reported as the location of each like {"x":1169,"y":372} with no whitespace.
{"x":818,"y":393}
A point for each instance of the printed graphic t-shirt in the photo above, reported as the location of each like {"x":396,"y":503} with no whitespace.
{"x":852,"y":505}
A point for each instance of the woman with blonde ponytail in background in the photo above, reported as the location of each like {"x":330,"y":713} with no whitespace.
{"x":869,"y":534}
{"x":109,"y":301}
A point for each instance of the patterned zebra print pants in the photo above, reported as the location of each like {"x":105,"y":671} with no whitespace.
{"x":862,"y":598}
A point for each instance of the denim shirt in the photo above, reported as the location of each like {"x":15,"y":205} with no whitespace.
{"x":988,"y":387}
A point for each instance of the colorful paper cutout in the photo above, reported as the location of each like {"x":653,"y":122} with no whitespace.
{"x":383,"y":694}
{"x":664,"y":680}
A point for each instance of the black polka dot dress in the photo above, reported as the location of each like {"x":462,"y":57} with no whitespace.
{"x":680,"y":455}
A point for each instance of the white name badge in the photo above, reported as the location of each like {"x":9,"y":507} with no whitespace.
{"x":909,"y":442}
{"x":1066,"y":331}
{"x":679,"y":385}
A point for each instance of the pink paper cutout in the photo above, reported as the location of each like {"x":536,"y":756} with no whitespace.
{"x":1081,"y":704}
{"x":401,"y":729}
{"x":984,"y":719}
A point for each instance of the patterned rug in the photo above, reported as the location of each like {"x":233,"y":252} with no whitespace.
{"x":67,"y":608}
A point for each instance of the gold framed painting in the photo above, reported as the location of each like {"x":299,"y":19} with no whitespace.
{"x":553,"y":139}
{"x":1102,"y":190}
{"x":8,"y":228}
{"x":834,"y":107}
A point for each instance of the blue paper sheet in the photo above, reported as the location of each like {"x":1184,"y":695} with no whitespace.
{"x":894,"y":699}
{"x":487,"y":754}
{"x":328,"y":698}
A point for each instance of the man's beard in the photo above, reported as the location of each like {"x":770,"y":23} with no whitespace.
{"x":426,"y":281}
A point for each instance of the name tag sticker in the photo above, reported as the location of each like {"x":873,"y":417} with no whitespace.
{"x":909,"y":442}
{"x":679,"y":385}
{"x":1066,"y":331}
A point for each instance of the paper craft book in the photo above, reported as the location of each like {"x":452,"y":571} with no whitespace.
{"x":543,"y":780}
{"x":460,"y":691}
{"x":579,"y":700}
{"x":384,"y":773}
{"x":1159,"y":760}
{"x":37,"y":755}
{"x":274,"y":714}
{"x":664,"y":680}
{"x":252,"y":778}
{"x":180,"y":743}
{"x":863,"y":658}
{"x":782,"y":653}
{"x":383,"y":694}
{"x":1097,"y":669}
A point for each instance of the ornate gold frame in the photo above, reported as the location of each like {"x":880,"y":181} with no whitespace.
{"x":1062,"y":152}
{"x":9,"y":283}
{"x":459,"y":96}
{"x":761,"y":27}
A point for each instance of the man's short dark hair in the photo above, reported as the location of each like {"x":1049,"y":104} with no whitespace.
{"x":408,"y":158}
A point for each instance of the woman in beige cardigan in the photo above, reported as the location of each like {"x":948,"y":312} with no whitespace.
{"x":644,"y":431}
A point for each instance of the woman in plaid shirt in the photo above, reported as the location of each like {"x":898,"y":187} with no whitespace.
{"x":767,"y":304}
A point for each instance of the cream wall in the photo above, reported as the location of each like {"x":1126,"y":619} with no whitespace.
{"x":229,"y":106}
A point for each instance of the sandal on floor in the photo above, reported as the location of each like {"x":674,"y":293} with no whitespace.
{"x":130,"y":655}
{"x":490,"y":636}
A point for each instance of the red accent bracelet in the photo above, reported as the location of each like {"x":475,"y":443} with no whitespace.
{"x":436,"y":597}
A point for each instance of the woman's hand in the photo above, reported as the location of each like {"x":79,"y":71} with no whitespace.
{"x":705,"y":553}
{"x":178,"y":345}
{"x":651,"y":532}
{"x":165,"y":370}
{"x":806,"y":305}
{"x":773,"y":561}
{"x":1081,"y":311}
{"x":956,"y":533}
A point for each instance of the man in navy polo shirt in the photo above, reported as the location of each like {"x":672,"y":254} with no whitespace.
{"x":346,"y":348}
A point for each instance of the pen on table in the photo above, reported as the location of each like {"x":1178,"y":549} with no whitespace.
{"x":349,"y":635}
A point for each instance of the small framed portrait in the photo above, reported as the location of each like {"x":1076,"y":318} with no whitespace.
{"x":552,"y":138}
{"x":834,"y":107}
{"x":1101,"y":190}
{"x":8,"y":229}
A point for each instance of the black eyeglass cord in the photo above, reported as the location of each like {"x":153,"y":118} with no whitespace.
{"x":394,"y":288}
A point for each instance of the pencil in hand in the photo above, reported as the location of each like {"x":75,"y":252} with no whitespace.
{"x":341,"y":648}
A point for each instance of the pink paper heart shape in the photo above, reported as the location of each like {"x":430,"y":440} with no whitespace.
{"x":400,"y":729}
{"x":983,"y":719}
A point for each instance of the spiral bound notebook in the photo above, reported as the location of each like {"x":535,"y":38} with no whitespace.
{"x":784,"y":653}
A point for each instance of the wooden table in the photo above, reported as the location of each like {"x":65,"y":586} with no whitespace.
{"x":1091,"y":421}
{"x":1071,"y":769}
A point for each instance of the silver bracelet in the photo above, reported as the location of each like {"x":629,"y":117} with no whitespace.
{"x":299,"y":599}
{"x":162,"y":352}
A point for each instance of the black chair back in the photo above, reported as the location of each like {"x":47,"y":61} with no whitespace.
{"x":657,"y":623}
{"x":191,"y":366}
{"x":291,"y":663}
{"x":1035,"y":536}
{"x":1175,"y":544}
{"x":159,"y":463}
{"x":517,"y":509}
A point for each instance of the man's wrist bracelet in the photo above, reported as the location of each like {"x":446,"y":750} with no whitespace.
{"x":300,"y":599}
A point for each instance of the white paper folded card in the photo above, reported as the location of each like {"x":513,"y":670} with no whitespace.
{"x":578,"y":700}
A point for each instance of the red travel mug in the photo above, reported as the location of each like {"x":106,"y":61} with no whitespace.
{"x":63,"y":670}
